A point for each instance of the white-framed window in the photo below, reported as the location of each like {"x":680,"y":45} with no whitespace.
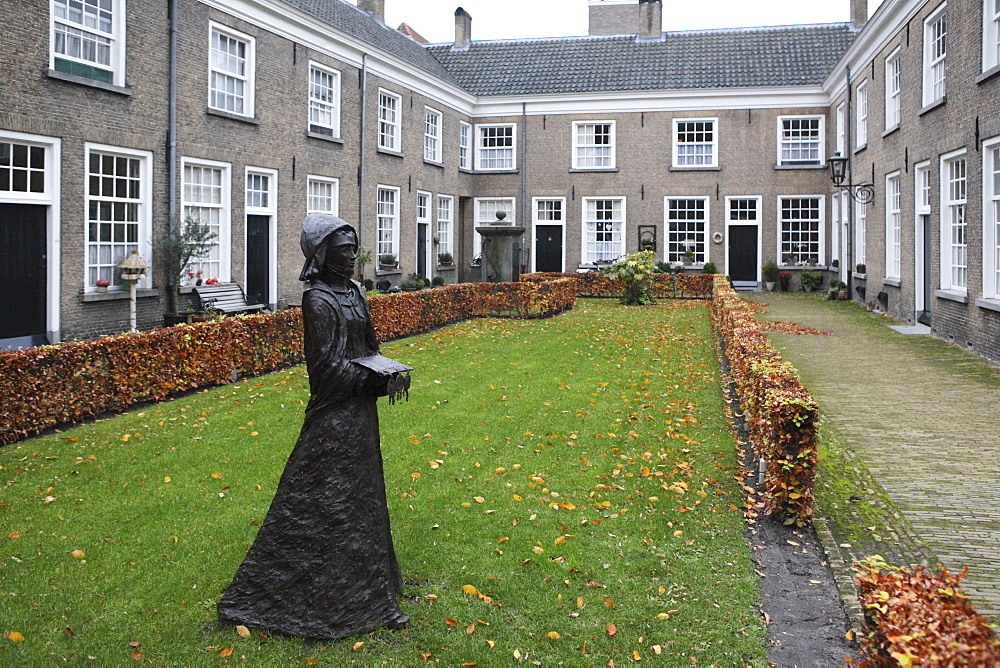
{"x":922,"y":184}
{"x":324,"y":100}
{"x":991,"y":218}
{"x":119,"y":187}
{"x":696,"y":142}
{"x":593,"y":144}
{"x":387,"y":223}
{"x":230,"y":71}
{"x":954,"y":226}
{"x":486,"y":209}
{"x":861,"y":234}
{"x":390,"y":111}
{"x":842,"y":128}
{"x":686,"y":222}
{"x":322,"y":195}
{"x":464,"y":145}
{"x":893,"y":87}
{"x":260,"y":191}
{"x":800,"y":221}
{"x":205,"y":198}
{"x":23,"y":166}
{"x":603,"y":229}
{"x":991,"y":34}
{"x":496,"y":147}
{"x":432,"y":135}
{"x":423,"y":207}
{"x":862,"y":127}
{"x":800,"y":140}
{"x":445,"y":224}
{"x":548,"y":211}
{"x":88,"y":39}
{"x":935,"y":50}
{"x":893,"y":226}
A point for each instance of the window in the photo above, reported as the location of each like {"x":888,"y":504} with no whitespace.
{"x":423,"y":207}
{"x":323,"y":195}
{"x":230,"y":71}
{"x":549,"y":211}
{"x":88,"y":39}
{"x":893,"y":107}
{"x":842,"y":128}
{"x":923,"y":185}
{"x":205,"y":199}
{"x":594,"y":145}
{"x":464,"y":145}
{"x":495,"y":146}
{"x":935,"y":42}
{"x":991,"y":34}
{"x":486,"y":214}
{"x":445,"y":223}
{"x":324,"y":100}
{"x":801,"y":221}
{"x":892,"y":226}
{"x":603,"y":229}
{"x":432,"y":135}
{"x":389,"y":112}
{"x":259,"y":191}
{"x":861,"y":234}
{"x":696,"y":142}
{"x":862,"y":129}
{"x":686,"y":222}
{"x":991,"y":218}
{"x":118,"y":210}
{"x":954,"y":239}
{"x":387,"y":242}
{"x":800,"y":140}
{"x":22,"y":167}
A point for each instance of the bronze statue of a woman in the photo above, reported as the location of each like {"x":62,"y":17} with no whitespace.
{"x":322,"y":565}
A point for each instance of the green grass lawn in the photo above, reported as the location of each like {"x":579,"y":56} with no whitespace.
{"x":546,"y":479}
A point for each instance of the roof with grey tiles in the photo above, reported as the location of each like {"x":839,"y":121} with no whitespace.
{"x":729,"y":58}
{"x":360,"y":24}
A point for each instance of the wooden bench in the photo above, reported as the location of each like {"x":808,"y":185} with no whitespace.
{"x":227,"y":298}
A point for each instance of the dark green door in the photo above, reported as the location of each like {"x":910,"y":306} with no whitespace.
{"x":23,"y":272}
{"x":258,"y":286}
{"x":743,"y":252}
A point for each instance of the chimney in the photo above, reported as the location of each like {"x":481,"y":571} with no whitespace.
{"x":613,"y":17}
{"x":859,"y":12}
{"x":374,"y":7}
{"x":463,"y":29}
{"x":651,"y":19}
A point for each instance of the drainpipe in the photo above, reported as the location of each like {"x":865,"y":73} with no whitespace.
{"x":361,"y":159}
{"x":172,"y":220}
{"x":849,"y":242}
{"x":524,"y":180}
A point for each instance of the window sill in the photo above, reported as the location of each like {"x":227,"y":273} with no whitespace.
{"x":892,"y":282}
{"x":92,"y":83}
{"x":952,"y":296}
{"x":988,"y":304}
{"x":889,"y":131}
{"x":813,"y":165}
{"x":231,"y":116}
{"x":988,"y":74}
{"x":860,"y":148}
{"x":450,"y":267}
{"x":495,"y":171}
{"x":388,"y":272}
{"x":465,"y":170}
{"x":434,"y":163}
{"x":117,"y":295}
{"x":323,"y":137}
{"x":802,"y":267}
{"x":933,"y":105}
{"x":584,"y":170}
{"x":859,"y":276}
{"x":695,"y":168}
{"x":387,"y":151}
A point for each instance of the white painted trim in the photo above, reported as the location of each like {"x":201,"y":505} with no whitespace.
{"x":429,"y":259}
{"x":119,"y":15}
{"x":889,"y":259}
{"x":225,"y":219}
{"x":991,"y":28}
{"x":535,"y":222}
{"x":920,"y":300}
{"x":397,"y":135}
{"x":271,"y":212}
{"x":707,"y":241}
{"x":944,"y":222}
{"x":477,"y":146}
{"x":822,"y":226}
{"x":614,"y":144}
{"x":841,"y":130}
{"x":337,"y":94}
{"x":990,"y":240}
{"x":451,"y":225}
{"x":740,"y":223}
{"x":249,"y":98}
{"x":396,"y":241}
{"x":336,"y":193}
{"x":925,"y":66}
{"x":477,"y":239}
{"x":861,"y":121}
{"x":583,"y":224}
{"x":715,"y":142}
{"x":470,"y":147}
{"x":439,"y":153}
{"x":822,"y":139}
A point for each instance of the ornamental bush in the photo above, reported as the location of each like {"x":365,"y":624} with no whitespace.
{"x":634,"y":275}
{"x":664,"y":286}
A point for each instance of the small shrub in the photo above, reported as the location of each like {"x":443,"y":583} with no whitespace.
{"x":411,"y":283}
{"x":445,"y":258}
{"x":387,"y":260}
{"x":771,"y":272}
{"x":634,"y":272}
{"x":369,"y":285}
{"x":438,"y":281}
{"x":709,"y":268}
{"x":811,"y":280}
{"x":663,"y":267}
{"x":861,"y":269}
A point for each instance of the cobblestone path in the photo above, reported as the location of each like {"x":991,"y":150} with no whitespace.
{"x":923,"y":415}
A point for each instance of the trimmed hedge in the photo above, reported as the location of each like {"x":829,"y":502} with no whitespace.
{"x":920,"y":618}
{"x":665,"y":286}
{"x":781,"y":415}
{"x":50,"y":385}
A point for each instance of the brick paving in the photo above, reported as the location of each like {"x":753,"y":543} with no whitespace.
{"x":922,"y":416}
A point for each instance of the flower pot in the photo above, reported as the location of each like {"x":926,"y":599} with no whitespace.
{"x":842,"y":295}
{"x":769,"y":285}
{"x":388,"y":267}
{"x":102,"y":288}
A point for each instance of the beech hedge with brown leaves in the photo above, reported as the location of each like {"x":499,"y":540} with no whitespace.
{"x":665,"y":286}
{"x":781,"y":415}
{"x":50,"y":385}
{"x":920,"y":618}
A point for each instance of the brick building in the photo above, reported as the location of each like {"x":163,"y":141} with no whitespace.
{"x":247,"y":114}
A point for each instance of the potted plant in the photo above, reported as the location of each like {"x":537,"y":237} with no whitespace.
{"x":861,"y":269}
{"x":786,"y":280}
{"x":363,"y":258}
{"x":837,"y":287}
{"x":102,"y":284}
{"x":445,"y":259}
{"x":811,"y":280}
{"x":709,"y":268}
{"x":411,"y":284}
{"x":387,"y":262}
{"x":687,"y":258}
{"x":438,"y":281}
{"x":771,"y":274}
{"x":175,"y":249}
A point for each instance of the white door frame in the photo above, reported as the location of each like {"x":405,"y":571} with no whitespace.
{"x":731,"y":223}
{"x":271,"y":211}
{"x":534,"y":222}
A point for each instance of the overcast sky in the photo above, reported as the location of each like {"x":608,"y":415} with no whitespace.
{"x":509,"y":19}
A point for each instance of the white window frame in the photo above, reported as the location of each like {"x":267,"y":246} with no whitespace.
{"x":249,"y":74}
{"x":935,"y":69}
{"x":116,"y":39}
{"x":991,"y":34}
{"x":425,"y":215}
{"x":390,"y":133}
{"x":510,"y":208}
{"x":893,"y":225}
{"x":954,"y":223}
{"x":224,"y":239}
{"x":271,"y":211}
{"x":464,"y":145}
{"x":318,"y":105}
{"x":537,"y":219}
{"x":842,"y":128}
{"x":754,"y":221}
{"x":444,"y":229}
{"x":991,"y":218}
{"x":861,"y":131}
{"x":682,"y":161}
{"x":386,"y":219}
{"x":602,"y":156}
{"x":820,"y":229}
{"x":676,"y":242}
{"x":819,"y":142}
{"x":433,"y":125}
{"x":861,"y":236}
{"x":484,"y":153}
{"x":333,"y":183}
{"x":921,"y":207}
{"x":143,"y":220}
{"x":617,"y":248}
{"x":893,"y":89}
